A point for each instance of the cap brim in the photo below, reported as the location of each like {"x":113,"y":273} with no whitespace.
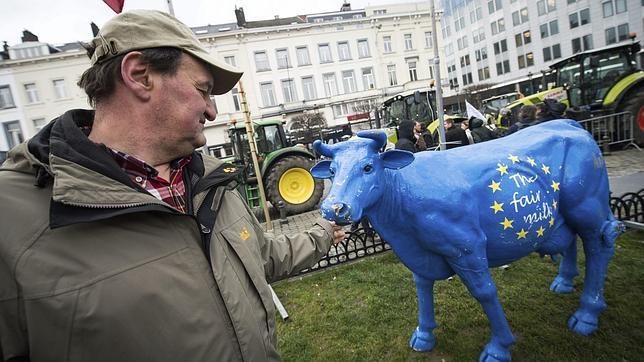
{"x":225,"y":77}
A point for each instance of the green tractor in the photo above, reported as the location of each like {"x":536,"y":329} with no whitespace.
{"x":594,"y":83}
{"x":284,"y":168}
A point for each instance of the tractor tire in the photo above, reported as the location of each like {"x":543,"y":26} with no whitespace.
{"x":634,"y":103}
{"x":290,"y":181}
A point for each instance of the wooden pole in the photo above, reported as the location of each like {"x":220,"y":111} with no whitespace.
{"x":250,"y":132}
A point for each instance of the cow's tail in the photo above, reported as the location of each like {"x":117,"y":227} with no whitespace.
{"x":611,"y":229}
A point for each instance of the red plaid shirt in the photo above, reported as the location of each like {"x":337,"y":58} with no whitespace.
{"x":172,"y":192}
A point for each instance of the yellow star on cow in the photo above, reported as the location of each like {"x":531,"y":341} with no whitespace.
{"x":521,"y":234}
{"x":540,"y":231}
{"x":513,"y":158}
{"x":497,"y":207}
{"x":495,"y":186}
{"x":503,"y":169}
{"x":507,"y":224}
{"x":531,"y":162}
{"x":545,"y":169}
{"x":555,"y":186}
{"x":552,"y":222}
{"x":554,"y":204}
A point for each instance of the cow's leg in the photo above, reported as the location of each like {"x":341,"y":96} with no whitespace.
{"x":563,"y":283}
{"x":598,"y":234}
{"x":476,"y":276}
{"x":422,"y":339}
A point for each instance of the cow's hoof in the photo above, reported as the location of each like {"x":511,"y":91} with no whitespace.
{"x":583,"y":323}
{"x":422,"y":341}
{"x":562,"y":286}
{"x":495,"y":353}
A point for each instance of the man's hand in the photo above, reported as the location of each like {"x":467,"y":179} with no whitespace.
{"x":338,"y":233}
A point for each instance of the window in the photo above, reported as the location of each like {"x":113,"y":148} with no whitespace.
{"x":408,"y":43}
{"x":431,"y":69}
{"x":607,"y":7}
{"x":343,"y":51}
{"x":368,"y":80}
{"x":582,"y":44}
{"x":268,"y":94}
{"x":325,"y":53}
{"x":288,"y":90}
{"x":503,"y":67}
{"x":484,"y":73}
{"x":478,"y":35}
{"x":330,"y":84}
{"x":500,"y":47}
{"x":580,"y":18}
{"x":620,"y":6}
{"x":546,"y":6}
{"x":6,"y":99}
{"x":616,"y":34}
{"x":556,"y":51}
{"x":428,"y":39}
{"x":261,"y":61}
{"x":611,"y":36}
{"x":302,"y":54}
{"x":308,"y":88}
{"x":230,"y":60}
{"x":380,"y":12}
{"x":391,"y":73}
{"x":480,"y":54}
{"x":341,"y":110}
{"x":525,"y":60}
{"x":349,"y":82}
{"x":476,"y":14}
{"x":522,"y":38}
{"x":386,"y":41}
{"x":236,"y":101}
{"x":520,"y":17}
{"x":32,"y":93}
{"x":494,"y":5}
{"x":282,"y":58}
{"x":465,"y":61}
{"x":363,"y":49}
{"x":498,"y":26}
{"x":459,"y":23}
{"x":39,"y":123}
{"x":467,"y":78}
{"x":413,"y":75}
{"x":462,"y":42}
{"x":14,"y":133}
{"x":622,"y":32}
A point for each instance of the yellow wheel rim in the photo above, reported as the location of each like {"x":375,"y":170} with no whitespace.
{"x":296,"y":186}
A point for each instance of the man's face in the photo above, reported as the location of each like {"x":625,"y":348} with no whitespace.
{"x":417,"y":127}
{"x":182,"y":107}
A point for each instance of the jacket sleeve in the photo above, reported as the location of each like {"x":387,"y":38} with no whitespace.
{"x":12,"y":331}
{"x":287,"y":254}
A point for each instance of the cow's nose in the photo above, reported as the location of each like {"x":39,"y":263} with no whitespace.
{"x":342,"y":211}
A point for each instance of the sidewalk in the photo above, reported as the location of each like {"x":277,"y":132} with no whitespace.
{"x":625,"y":173}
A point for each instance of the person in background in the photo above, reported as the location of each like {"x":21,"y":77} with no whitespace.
{"x":465,"y":125}
{"x":480,"y":133}
{"x":407,"y":140}
{"x":454,"y":135}
{"x":420,"y":133}
{"x":119,"y":241}
{"x":527,"y":117}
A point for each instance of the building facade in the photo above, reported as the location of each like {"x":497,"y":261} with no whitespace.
{"x":340,"y":64}
{"x":491,"y":42}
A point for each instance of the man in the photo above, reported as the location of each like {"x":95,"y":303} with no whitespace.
{"x":454,"y":135}
{"x":408,"y":138}
{"x":120,"y":242}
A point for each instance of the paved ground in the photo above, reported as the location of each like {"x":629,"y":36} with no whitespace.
{"x":625,"y":172}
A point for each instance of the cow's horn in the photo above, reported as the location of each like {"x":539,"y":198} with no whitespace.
{"x":379,"y":136}
{"x":322,"y":148}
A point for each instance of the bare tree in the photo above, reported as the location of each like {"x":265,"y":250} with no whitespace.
{"x":306,"y":126}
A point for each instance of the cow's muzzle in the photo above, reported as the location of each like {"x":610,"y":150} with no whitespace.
{"x":342,"y":212}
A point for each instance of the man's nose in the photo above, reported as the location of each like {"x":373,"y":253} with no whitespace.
{"x":211,"y":112}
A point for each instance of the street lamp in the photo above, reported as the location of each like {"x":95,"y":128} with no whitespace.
{"x":530,"y":81}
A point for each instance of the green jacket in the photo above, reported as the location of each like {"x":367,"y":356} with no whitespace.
{"x":93,"y":268}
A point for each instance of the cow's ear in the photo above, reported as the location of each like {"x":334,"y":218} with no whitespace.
{"x":396,"y":158}
{"x":322,"y":169}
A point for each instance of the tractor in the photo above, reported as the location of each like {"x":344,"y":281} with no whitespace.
{"x":284,"y":168}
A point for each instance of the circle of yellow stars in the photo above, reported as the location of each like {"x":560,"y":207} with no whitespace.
{"x":498,"y":206}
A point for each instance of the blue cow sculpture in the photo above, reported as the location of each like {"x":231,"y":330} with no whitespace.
{"x":465,"y":210}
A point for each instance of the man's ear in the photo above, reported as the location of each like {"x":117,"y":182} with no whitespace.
{"x":136,"y":75}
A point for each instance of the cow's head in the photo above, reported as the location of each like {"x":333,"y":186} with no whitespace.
{"x":357,"y":170}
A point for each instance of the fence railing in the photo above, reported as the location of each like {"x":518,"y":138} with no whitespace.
{"x":612,"y":129}
{"x":364,"y":241}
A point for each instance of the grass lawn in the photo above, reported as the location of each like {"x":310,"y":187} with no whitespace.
{"x":366,"y":311}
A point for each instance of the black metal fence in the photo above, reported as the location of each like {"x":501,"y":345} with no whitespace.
{"x":364,"y":241}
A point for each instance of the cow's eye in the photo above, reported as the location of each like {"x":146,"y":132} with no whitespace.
{"x":368,"y":168}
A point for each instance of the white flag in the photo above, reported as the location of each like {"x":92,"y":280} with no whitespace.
{"x":473,"y":112}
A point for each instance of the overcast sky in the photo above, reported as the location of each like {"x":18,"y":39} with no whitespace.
{"x":65,"y":21}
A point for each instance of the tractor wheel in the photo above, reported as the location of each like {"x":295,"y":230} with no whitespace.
{"x":291,"y":182}
{"x":634,"y":103}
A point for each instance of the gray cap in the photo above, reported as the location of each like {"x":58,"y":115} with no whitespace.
{"x":144,"y":29}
